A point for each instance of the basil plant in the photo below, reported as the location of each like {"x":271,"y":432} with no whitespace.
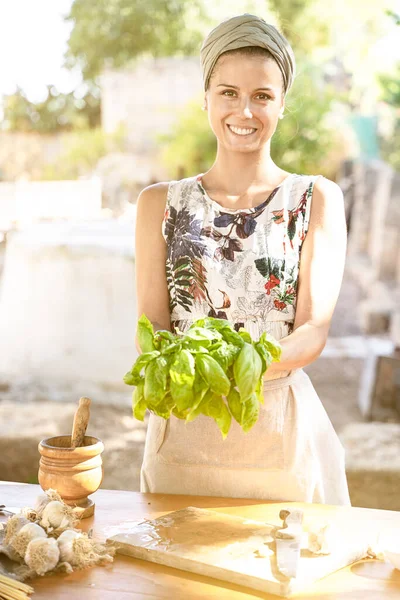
{"x":211,"y":369}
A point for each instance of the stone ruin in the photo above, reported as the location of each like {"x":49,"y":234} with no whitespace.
{"x":372,"y":200}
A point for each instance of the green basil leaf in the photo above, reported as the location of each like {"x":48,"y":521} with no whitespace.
{"x":265,"y":355}
{"x":183,"y":396}
{"x":213,"y":323}
{"x":235,"y":405}
{"x":213,"y":374}
{"x":145,"y":334}
{"x":224,"y":420}
{"x":232,"y":337}
{"x":247,"y":370}
{"x":250,"y":411}
{"x":178,"y":413}
{"x":138,"y":403}
{"x":171,"y":348}
{"x":164,"y":408}
{"x":165,"y":335}
{"x":155,"y":384}
{"x":182,"y":373}
{"x":225,"y":355}
{"x":133,"y":377}
{"x":272,"y":345}
{"x":259,"y":391}
{"x":195,"y":348}
{"x":182,"y":370}
{"x":201,"y":334}
{"x":212,"y":406}
{"x":164,"y":339}
{"x":245,"y":335}
{"x":200,"y":389}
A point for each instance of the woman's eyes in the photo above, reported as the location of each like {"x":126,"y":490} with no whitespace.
{"x":229,"y":92}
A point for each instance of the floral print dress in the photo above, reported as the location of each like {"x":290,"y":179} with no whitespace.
{"x":243,"y":265}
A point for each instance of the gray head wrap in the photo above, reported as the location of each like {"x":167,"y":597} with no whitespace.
{"x":240,"y":32}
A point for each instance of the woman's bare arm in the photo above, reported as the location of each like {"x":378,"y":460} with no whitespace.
{"x":150,"y":256}
{"x":322,"y":263}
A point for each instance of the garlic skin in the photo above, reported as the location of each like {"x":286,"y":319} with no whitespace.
{"x":66,"y":545}
{"x":25,"y":535}
{"x":42,"y":555}
{"x":41,"y":502}
{"x":55,"y":515}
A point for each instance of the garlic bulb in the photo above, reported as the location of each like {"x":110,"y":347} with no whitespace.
{"x":25,"y":535}
{"x":13,"y":525}
{"x":42,"y":555}
{"x":66,"y":545}
{"x":57,"y":514}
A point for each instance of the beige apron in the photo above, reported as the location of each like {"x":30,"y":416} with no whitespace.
{"x":291,"y":454}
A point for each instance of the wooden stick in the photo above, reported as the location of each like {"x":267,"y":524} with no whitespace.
{"x":80,"y":424}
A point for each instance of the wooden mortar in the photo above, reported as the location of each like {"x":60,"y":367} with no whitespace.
{"x":72,"y":464}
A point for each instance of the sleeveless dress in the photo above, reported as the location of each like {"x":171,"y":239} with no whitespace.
{"x":243,"y":265}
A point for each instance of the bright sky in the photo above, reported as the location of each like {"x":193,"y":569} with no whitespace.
{"x":33,"y":39}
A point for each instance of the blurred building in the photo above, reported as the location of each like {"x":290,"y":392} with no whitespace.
{"x":147,"y":99}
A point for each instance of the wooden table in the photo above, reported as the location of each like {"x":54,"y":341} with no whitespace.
{"x":129,"y":578}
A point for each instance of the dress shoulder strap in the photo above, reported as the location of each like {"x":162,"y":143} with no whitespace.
{"x":299,"y":201}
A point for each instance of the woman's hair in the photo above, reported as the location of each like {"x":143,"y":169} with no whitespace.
{"x":250,"y":35}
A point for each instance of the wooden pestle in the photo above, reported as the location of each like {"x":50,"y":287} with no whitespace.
{"x":81,"y":420}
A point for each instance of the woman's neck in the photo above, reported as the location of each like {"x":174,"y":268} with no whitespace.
{"x":236,"y":173}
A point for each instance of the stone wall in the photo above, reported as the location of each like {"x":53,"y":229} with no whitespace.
{"x":372,"y":194}
{"x":147,"y":99}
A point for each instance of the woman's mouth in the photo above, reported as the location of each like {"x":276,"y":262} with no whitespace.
{"x":242,"y":131}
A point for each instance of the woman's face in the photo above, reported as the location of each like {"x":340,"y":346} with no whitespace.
{"x":243,"y":115}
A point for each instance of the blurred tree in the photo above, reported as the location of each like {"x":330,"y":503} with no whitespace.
{"x":390,"y":89}
{"x":81,"y":152}
{"x":58,"y":112}
{"x":110,"y":33}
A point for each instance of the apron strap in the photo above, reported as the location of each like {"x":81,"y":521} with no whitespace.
{"x":281,"y":382}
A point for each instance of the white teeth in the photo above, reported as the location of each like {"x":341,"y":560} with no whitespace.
{"x":241,"y":131}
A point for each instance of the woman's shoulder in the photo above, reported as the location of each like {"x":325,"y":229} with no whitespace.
{"x":162,"y":188}
{"x":158,"y":197}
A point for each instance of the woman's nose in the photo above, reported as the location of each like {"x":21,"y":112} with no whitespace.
{"x":246,"y":111}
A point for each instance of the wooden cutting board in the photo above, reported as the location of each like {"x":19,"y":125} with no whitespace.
{"x":238,"y":550}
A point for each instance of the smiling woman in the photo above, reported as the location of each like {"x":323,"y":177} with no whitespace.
{"x":251,"y":243}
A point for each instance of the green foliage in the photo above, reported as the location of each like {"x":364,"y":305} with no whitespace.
{"x":81,"y":152}
{"x":303,"y":139}
{"x":191,"y":147}
{"x":110,"y":33}
{"x":390,"y":145}
{"x":211,"y":370}
{"x":58,"y":112}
